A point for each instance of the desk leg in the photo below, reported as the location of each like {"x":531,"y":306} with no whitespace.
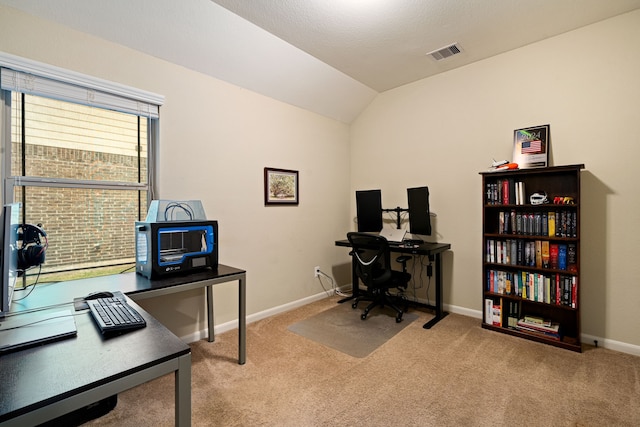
{"x":210,"y":324}
{"x":242,"y":320}
{"x":183,"y":391}
{"x":355,"y":283}
{"x":440,"y":314}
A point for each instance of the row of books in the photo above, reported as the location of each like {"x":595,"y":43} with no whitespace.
{"x":550,"y":330}
{"x":506,"y":192}
{"x":556,"y":289}
{"x":536,"y":253}
{"x":495,"y":312}
{"x":560,"y":223}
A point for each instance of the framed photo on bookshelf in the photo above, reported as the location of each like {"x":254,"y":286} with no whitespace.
{"x":280,"y":186}
{"x":531,"y":147}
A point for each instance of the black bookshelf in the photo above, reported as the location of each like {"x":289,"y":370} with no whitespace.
{"x":531,"y":254}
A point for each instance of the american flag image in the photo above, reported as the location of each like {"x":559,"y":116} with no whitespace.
{"x":531,"y":147}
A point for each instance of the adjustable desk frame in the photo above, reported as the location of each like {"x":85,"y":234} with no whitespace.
{"x":433,"y":251}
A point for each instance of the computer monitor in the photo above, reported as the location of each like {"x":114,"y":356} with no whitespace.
{"x":369,"y":210}
{"x":9,"y":258}
{"x":419,"y":215}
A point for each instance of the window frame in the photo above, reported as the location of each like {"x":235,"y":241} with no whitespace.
{"x":99,"y":93}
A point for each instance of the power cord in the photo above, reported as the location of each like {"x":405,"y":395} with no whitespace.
{"x":169,"y":210}
{"x":334,"y":290}
{"x":421,"y":267}
{"x":32,"y":286}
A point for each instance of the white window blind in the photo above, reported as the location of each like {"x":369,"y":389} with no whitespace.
{"x":22,"y":75}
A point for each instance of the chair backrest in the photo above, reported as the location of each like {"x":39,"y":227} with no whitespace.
{"x":372,"y":258}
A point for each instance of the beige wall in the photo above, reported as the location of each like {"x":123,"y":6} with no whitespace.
{"x":443,"y":130}
{"x":216,"y":138}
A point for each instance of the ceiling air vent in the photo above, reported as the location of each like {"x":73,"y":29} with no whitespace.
{"x":445,"y":52}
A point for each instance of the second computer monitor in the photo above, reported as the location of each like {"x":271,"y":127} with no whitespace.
{"x":419,"y":215}
{"x":369,"y":210}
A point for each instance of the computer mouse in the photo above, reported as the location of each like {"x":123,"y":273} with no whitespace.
{"x":98,"y":294}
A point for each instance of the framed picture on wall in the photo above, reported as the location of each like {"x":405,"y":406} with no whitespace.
{"x":280,"y":186}
{"x":531,"y":147}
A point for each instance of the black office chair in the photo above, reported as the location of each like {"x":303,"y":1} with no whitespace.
{"x":371,"y":260}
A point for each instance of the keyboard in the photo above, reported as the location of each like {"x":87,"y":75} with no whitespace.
{"x":113,"y":314}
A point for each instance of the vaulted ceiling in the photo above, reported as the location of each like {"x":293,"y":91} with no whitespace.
{"x":328,"y":56}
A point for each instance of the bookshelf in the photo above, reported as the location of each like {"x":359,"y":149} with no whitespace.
{"x":531,"y":254}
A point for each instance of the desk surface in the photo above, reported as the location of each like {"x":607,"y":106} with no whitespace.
{"x":132,"y":284}
{"x":36,"y":377}
{"x":425,"y":248}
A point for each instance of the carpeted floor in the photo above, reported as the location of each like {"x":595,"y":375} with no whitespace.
{"x":455,"y":374}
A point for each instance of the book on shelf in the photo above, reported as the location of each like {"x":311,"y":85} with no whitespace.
{"x":572,"y":257}
{"x":545,"y":254}
{"x":551,"y":224}
{"x":500,"y":276}
{"x":488,"y":311}
{"x":553,"y":256}
{"x":532,"y":331}
{"x":562,"y":257}
{"x":550,"y":330}
{"x":497,"y":313}
{"x":537,"y":224}
{"x":505,"y":192}
{"x":513,"y":315}
{"x":536,"y":320}
{"x":520,"y":194}
{"x":527,"y":254}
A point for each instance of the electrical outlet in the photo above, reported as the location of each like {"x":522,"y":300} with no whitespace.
{"x":316,"y":271}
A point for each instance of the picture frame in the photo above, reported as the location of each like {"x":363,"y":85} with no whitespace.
{"x":531,"y":147}
{"x":281,"y":187}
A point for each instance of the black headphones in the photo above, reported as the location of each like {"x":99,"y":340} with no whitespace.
{"x":32,"y":252}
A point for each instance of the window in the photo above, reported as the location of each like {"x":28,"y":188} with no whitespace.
{"x":80,"y":161}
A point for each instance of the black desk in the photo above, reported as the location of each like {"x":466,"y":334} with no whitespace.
{"x":138,"y":287}
{"x":41,"y":383}
{"x":433,"y":251}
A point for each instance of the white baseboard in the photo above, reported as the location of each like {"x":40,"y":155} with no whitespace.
{"x":584,"y":338}
{"x":227,"y":326}
{"x":622,"y":347}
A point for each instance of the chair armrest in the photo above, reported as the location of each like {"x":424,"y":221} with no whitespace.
{"x":403,"y":258}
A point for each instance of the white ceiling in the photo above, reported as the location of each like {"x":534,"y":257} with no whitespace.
{"x":328,"y":56}
{"x":382,"y":43}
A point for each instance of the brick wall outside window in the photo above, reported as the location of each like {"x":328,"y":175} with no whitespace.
{"x":84,"y":227}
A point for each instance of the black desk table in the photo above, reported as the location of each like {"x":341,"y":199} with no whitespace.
{"x":42,"y":383}
{"x":433,"y":251}
{"x":138,"y":287}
